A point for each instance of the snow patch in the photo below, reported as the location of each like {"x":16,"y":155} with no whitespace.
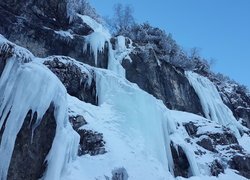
{"x":65,"y":34}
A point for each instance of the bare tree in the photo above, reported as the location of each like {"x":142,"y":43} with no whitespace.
{"x":123,"y":18}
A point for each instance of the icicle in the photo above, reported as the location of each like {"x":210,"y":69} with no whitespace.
{"x":31,"y":86}
{"x":212,"y":104}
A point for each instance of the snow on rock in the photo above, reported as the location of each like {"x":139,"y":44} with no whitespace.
{"x":97,"y":27}
{"x":121,"y":50}
{"x":212,"y":104}
{"x":137,"y":129}
{"x":64,"y":34}
{"x":10,"y":49}
{"x":31,"y":86}
{"x":244,"y":142}
{"x":98,"y":41}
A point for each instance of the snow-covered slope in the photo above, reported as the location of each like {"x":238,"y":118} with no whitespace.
{"x":138,"y":130}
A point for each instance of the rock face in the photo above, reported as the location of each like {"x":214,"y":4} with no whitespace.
{"x":91,"y":143}
{"x":44,"y":28}
{"x":216,"y":168}
{"x":28,"y":159}
{"x":221,"y":144}
{"x":181,"y":164}
{"x":78,"y":83}
{"x":162,"y":80}
{"x":241,"y":164}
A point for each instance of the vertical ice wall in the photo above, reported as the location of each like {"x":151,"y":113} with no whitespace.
{"x":97,"y":41}
{"x":144,"y":117}
{"x":212,"y":104}
{"x":31,"y":86}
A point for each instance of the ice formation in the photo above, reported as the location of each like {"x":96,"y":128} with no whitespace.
{"x":137,"y":128}
{"x":212,"y":104}
{"x":97,"y":42}
{"x":31,"y":86}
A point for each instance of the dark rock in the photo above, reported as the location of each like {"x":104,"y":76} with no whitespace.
{"x":207,"y":144}
{"x":225,"y":138}
{"x":181,"y":164}
{"x":77,"y":121}
{"x":36,"y":25}
{"x":2,"y":65}
{"x":241,"y":164}
{"x":102,"y":57}
{"x":28,"y":158}
{"x":120,"y":174}
{"x":216,"y":168}
{"x":191,"y":128}
{"x":75,"y":81}
{"x":237,"y":148}
{"x":244,"y":113}
{"x":91,"y":143}
{"x":162,"y":80}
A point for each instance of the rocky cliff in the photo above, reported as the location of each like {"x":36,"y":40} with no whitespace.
{"x":124,"y":130}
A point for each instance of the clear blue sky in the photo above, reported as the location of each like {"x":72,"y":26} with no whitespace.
{"x":220,"y":28}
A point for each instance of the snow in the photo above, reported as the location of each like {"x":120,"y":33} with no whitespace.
{"x":31,"y":86}
{"x":93,"y":24}
{"x":64,"y":34}
{"x":97,"y":42}
{"x":244,"y":142}
{"x":212,"y":104}
{"x":121,"y":44}
{"x":137,"y":129}
{"x":17,"y":51}
{"x":121,"y":51}
{"x":229,"y":174}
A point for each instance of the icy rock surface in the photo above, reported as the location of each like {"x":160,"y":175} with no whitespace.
{"x":163,"y":81}
{"x":79,"y":82}
{"x":26,"y":86}
{"x":212,"y":104}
